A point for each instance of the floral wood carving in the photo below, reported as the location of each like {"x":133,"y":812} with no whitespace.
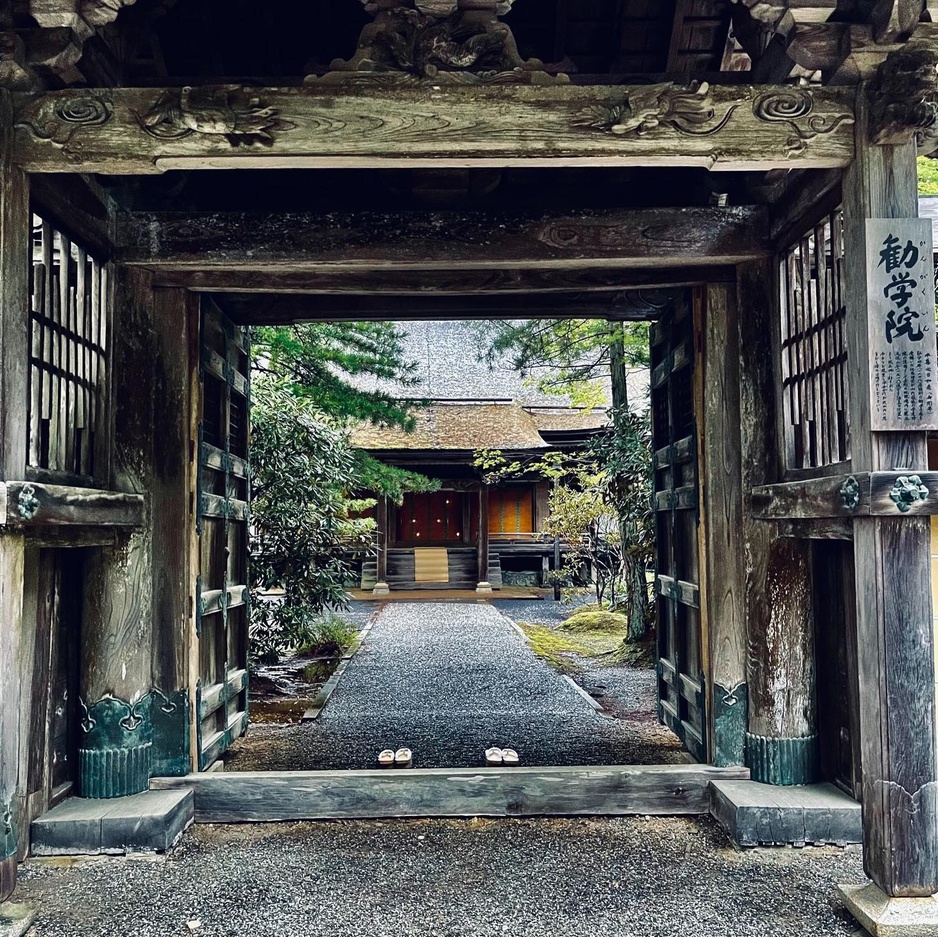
{"x":438,"y":41}
{"x":228,"y":111}
{"x":904,"y":98}
{"x":689,"y":110}
{"x":795,"y":107}
{"x":57,"y":120}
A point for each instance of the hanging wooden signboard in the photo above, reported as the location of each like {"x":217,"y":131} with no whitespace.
{"x":902,"y":346}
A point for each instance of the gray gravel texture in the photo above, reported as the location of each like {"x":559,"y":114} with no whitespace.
{"x":448,"y":680}
{"x":629,"y":877}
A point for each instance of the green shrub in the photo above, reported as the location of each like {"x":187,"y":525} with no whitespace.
{"x":330,"y":636}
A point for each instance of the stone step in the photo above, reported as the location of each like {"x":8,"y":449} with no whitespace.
{"x":766,"y":815}
{"x":149,"y":822}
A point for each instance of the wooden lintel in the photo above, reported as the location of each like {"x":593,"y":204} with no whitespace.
{"x":151,"y":130}
{"x":862,"y":494}
{"x":25,"y":504}
{"x":283,"y":309}
{"x":287,"y":243}
{"x":416,"y":280}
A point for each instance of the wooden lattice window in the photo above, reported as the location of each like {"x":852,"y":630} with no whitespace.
{"x":69,"y":319}
{"x":814,"y":349}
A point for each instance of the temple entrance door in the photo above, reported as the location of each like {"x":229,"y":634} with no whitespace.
{"x":681,"y":690}
{"x":222,"y":526}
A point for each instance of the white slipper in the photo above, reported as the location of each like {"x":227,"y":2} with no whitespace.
{"x":386,"y":758}
{"x":403,"y":758}
{"x":493,"y":756}
{"x":510,"y":756}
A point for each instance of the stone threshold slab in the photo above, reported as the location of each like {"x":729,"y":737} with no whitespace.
{"x":149,"y":822}
{"x":767,"y":815}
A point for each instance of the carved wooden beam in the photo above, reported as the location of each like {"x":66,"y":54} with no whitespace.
{"x":137,"y":130}
{"x":646,"y":238}
{"x":30,"y":504}
{"x":282,"y":309}
{"x":889,"y":494}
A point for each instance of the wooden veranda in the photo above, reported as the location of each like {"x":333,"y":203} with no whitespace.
{"x":742,"y":173}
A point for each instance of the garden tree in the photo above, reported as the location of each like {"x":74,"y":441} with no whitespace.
{"x":575,"y":357}
{"x":307,"y":522}
{"x":624,"y":451}
{"x":571,"y":357}
{"x":317,"y":359}
{"x":305,"y":532}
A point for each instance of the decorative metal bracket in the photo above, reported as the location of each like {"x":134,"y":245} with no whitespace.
{"x":850,"y":493}
{"x":27,"y":504}
{"x":907,"y":491}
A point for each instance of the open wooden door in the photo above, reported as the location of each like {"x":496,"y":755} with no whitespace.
{"x":681,"y":690}
{"x":222,"y":526}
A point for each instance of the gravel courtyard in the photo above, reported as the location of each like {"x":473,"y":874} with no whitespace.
{"x":449,"y":680}
{"x":629,"y":877}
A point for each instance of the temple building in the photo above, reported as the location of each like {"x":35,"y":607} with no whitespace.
{"x":471,"y":534}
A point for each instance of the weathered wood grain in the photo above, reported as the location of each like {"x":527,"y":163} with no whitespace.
{"x":778,"y":607}
{"x":649,"y":237}
{"x":63,"y":506}
{"x":722,"y":560}
{"x":120,"y":130}
{"x":832,"y":496}
{"x":14,"y":303}
{"x":171,"y":514}
{"x":894,"y":625}
{"x":418,"y":279}
{"x":269,"y":796}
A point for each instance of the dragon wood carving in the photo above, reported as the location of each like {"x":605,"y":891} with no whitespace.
{"x":439,"y":41}
{"x":690,"y":110}
{"x":228,"y":111}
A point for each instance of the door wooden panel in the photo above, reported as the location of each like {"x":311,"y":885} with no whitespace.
{"x":681,"y":689}
{"x":222,"y":524}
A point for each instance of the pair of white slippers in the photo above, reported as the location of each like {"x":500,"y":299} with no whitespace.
{"x":501,"y":756}
{"x":402,"y":758}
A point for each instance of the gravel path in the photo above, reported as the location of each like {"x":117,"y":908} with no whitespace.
{"x":533,"y":878}
{"x":449,"y":680}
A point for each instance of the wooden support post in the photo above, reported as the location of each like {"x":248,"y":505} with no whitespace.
{"x":116,"y":749}
{"x":895,"y":640}
{"x":782,"y":742}
{"x":484,"y":585}
{"x":173,"y":585}
{"x":384,"y":539}
{"x":14,"y":395}
{"x":720,"y":482}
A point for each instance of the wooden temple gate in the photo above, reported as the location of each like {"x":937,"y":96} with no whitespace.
{"x":799,"y":292}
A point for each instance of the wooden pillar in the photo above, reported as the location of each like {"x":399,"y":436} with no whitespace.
{"x":722,"y":581}
{"x":14,"y":356}
{"x":484,"y":585}
{"x":782,"y":739}
{"x":116,"y":751}
{"x":173,"y":523}
{"x":384,"y":539}
{"x":895,"y":640}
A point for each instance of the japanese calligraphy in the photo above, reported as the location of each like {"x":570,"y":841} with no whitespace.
{"x":900,"y":282}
